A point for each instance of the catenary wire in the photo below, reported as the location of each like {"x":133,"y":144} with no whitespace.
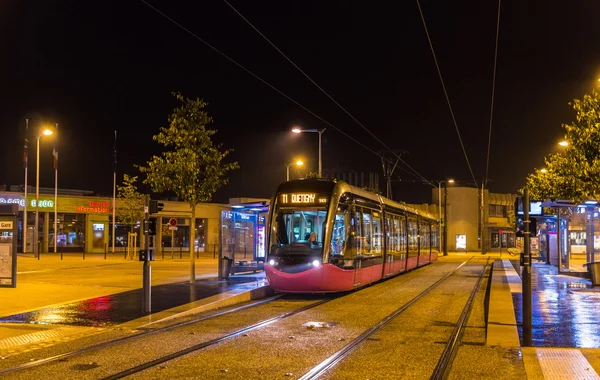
{"x":320,"y":88}
{"x":262,"y":80}
{"x":445,"y":92}
{"x":487,"y":163}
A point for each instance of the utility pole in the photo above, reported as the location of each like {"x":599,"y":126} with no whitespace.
{"x":147,"y":276}
{"x":526,"y":277}
{"x":482,"y":220}
{"x":446,"y":218}
{"x":388,"y":169}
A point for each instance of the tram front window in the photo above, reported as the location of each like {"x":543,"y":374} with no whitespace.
{"x":298,"y":231}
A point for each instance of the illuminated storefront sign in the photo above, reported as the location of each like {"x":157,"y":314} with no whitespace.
{"x":101,"y":207}
{"x":302,"y":198}
{"x":47,"y":203}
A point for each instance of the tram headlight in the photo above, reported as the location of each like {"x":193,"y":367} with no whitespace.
{"x":271,"y":262}
{"x":316,"y":263}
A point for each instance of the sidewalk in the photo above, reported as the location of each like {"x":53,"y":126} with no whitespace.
{"x":76,"y":294}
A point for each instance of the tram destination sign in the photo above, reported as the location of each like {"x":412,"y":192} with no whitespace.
{"x":309,"y":199}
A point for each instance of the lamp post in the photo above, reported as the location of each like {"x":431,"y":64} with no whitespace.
{"x":564,"y":143}
{"x":320,"y":132}
{"x":45,"y":132}
{"x":287,"y":166}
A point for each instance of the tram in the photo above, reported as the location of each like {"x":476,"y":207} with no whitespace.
{"x":328,"y":236}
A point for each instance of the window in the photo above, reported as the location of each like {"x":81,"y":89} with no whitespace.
{"x":338,"y":234}
{"x":498,"y":211}
{"x":367,"y":247}
{"x":413,"y":237}
{"x":377,"y":239}
{"x":424,"y":236}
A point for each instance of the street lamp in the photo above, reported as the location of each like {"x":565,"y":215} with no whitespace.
{"x":564,"y":143}
{"x":320,"y":132}
{"x":543,"y":170}
{"x":44,"y":132}
{"x":287,"y":166}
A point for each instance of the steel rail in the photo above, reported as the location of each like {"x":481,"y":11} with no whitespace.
{"x":442,"y":369}
{"x":197,"y":347}
{"x":334,"y":359}
{"x":132,"y":337}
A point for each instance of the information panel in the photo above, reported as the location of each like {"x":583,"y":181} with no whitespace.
{"x":7,"y":253}
{"x":303,"y":199}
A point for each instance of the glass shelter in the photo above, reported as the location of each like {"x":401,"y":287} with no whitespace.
{"x":243,"y":236}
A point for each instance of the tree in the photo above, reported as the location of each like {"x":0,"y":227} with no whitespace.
{"x":130,"y":209}
{"x":195,"y":168}
{"x":573,"y":174}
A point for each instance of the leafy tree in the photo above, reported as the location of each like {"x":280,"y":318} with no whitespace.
{"x":574,"y":173}
{"x":195,"y":167}
{"x":130,"y":209}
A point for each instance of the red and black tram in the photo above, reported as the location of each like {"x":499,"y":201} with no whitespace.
{"x":328,"y":236}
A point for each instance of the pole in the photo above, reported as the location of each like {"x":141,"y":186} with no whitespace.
{"x":55,"y":189}
{"x":440,"y":216}
{"x":526,"y":277}
{"x":445,"y":218}
{"x":25,"y":206}
{"x":114,"y":202}
{"x":320,"y":164}
{"x":37,"y":198}
{"x":287,"y":177}
{"x":146,"y":307}
{"x":482,"y":222}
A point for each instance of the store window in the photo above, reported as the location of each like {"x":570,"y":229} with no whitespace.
{"x":71,"y":231}
{"x":498,"y":211}
{"x":122,"y":232}
{"x":176,"y":238}
{"x":200,"y":235}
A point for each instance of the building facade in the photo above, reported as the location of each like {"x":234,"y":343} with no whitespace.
{"x":476,"y":223}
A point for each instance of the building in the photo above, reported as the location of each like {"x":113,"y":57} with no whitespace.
{"x":465,"y":211}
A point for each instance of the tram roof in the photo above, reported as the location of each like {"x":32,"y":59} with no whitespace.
{"x":326,"y":185}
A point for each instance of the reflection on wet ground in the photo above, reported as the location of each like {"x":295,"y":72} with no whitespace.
{"x":123,"y":307}
{"x":565,"y":309}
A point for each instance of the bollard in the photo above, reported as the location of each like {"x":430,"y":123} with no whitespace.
{"x":105,"y":249}
{"x":163,"y":253}
{"x":61,"y":252}
{"x":214,"y":251}
{"x":180,"y":252}
{"x":197,"y":252}
{"x":84,"y":254}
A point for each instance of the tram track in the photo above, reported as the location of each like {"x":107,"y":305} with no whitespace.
{"x":130,"y":338}
{"x":442,"y":368}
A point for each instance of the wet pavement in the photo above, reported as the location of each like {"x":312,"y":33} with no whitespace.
{"x":565,"y":309}
{"x":127,"y":306}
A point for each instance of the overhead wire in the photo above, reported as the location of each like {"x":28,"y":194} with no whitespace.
{"x":263,"y":81}
{"x":445,"y":92}
{"x":487,"y":163}
{"x":320,"y":88}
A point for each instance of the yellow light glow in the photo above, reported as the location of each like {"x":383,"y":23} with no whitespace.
{"x":450,"y":181}
{"x":299,"y":163}
{"x":296,"y":130}
{"x":564,"y":143}
{"x":47,"y":132}
{"x":544,"y":170}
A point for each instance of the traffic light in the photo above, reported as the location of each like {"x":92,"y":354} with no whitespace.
{"x":155,"y":207}
{"x":152,"y":226}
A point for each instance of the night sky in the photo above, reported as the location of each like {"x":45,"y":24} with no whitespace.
{"x":97,"y":67}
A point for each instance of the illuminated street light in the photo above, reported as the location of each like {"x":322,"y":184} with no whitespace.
{"x":320,"y":132}
{"x":564,"y":143}
{"x":543,"y":170}
{"x":44,"y":132}
{"x":287,"y":166}
{"x":450,"y":180}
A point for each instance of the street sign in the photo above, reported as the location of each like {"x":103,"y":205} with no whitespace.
{"x":173,"y":228}
{"x":501,"y":232}
{"x":145,"y":209}
{"x":173,"y":222}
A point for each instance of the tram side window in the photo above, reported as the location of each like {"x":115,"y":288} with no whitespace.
{"x":424,"y":236}
{"x":356,"y":232}
{"x":377,"y":237}
{"x":434,"y":237}
{"x":392,"y":236}
{"x":413,"y":236}
{"x":402,"y":234}
{"x":366,"y":247}
{"x":338,"y":235}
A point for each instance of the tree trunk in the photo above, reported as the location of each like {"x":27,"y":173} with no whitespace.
{"x":193,"y":246}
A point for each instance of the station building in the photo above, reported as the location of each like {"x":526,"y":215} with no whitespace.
{"x":476,"y":224}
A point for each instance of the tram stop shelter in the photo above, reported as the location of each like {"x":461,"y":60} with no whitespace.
{"x":243,"y":236}
{"x":570,"y":234}
{"x":8,"y":245}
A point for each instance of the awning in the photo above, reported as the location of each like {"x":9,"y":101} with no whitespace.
{"x":501,"y":199}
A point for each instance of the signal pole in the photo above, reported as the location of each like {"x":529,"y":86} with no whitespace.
{"x":147,"y":271}
{"x":526,"y":278}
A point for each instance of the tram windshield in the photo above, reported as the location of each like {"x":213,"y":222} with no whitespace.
{"x":298,"y":230}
